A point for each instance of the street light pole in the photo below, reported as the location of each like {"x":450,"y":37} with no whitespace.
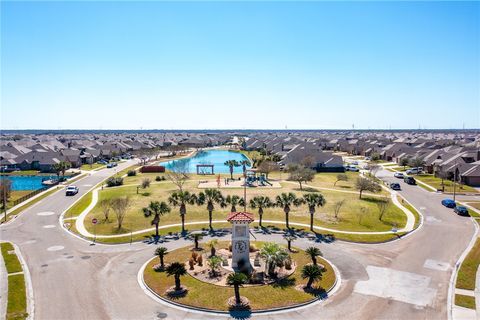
{"x":455,"y":180}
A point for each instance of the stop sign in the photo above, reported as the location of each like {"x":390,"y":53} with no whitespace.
{"x":94,"y":220}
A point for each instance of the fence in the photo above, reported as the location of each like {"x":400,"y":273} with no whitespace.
{"x":31,"y":194}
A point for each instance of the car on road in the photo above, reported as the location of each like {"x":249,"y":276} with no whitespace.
{"x":409,"y":180}
{"x":416,"y":170}
{"x":395,"y":186}
{"x":71,"y":190}
{"x":449,"y":203}
{"x":111,"y":165}
{"x":461,"y":211}
{"x":104,"y":162}
{"x":351,"y":168}
{"x":399,"y":175}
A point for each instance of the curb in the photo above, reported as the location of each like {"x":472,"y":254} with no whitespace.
{"x":28,"y":283}
{"x":205,"y":311}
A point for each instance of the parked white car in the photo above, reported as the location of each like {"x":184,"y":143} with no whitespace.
{"x":351,"y":168}
{"x":414,"y":171}
{"x":398,"y":175}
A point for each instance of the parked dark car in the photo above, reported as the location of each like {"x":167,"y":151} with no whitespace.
{"x":395,"y":186}
{"x":449,"y":203}
{"x":409,"y":180}
{"x":461,"y":211}
{"x":71,"y":191}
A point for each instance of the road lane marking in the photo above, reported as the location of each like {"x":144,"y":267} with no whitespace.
{"x":436,"y":265}
{"x":49,"y":226}
{"x":46,"y":213}
{"x":55,"y":248}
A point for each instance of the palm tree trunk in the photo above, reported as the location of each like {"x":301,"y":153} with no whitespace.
{"x":231,"y":173}
{"x":183,"y":223}
{"x":177,"y":283}
{"x":237,"y":294}
{"x":260,"y":221}
{"x":314,"y":260}
{"x":311,"y":221}
{"x":309,"y":283}
{"x":161,"y":261}
{"x":286,"y":220}
{"x":210,"y":219}
{"x":156,"y":229}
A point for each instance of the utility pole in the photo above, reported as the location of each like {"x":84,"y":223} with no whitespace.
{"x":455,"y":180}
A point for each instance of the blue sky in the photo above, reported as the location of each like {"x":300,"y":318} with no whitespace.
{"x":215,"y":65}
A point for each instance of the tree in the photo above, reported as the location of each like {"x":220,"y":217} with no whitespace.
{"x":382,"y":207}
{"x":214,"y":263}
{"x":120,"y":207}
{"x":178,"y":175}
{"x":234,"y":201}
{"x":260,"y":202}
{"x":210,"y":197}
{"x":181,"y":199}
{"x":156,"y":209}
{"x":375,"y":156}
{"x":244,"y":164}
{"x":364,"y":184}
{"x":145,"y":183}
{"x":301,"y":174}
{"x":341,"y":177}
{"x":313,"y":200}
{"x":5,"y":191}
{"x":442,"y":174}
{"x":161,"y":252}
{"x":362,"y":212}
{"x":274,"y":255}
{"x":286,"y":201}
{"x":373,"y":169}
{"x":267,"y":167}
{"x":416,"y":162}
{"x":337,"y":206}
{"x":61,"y":166}
{"x":308,"y":162}
{"x":231,"y":164}
{"x":212,"y":244}
{"x":196,"y":237}
{"x":105,"y":205}
{"x":237,"y":280}
{"x":313,"y":273}
{"x":176,"y":269}
{"x":404,"y":162}
{"x":313,"y":253}
{"x":290,"y":239}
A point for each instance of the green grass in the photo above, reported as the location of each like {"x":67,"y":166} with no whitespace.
{"x":348,"y":218}
{"x":437,"y":184}
{"x":11,"y":260}
{"x":17,"y":298}
{"x":25,"y":173}
{"x":468,"y":269}
{"x":29,"y":204}
{"x":465,"y":301}
{"x":92,"y":166}
{"x":79,"y":206}
{"x":202,"y":294}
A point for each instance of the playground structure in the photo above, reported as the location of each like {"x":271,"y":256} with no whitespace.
{"x":253,"y":179}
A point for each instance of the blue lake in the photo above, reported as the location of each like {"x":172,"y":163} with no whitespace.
{"x":215,"y":157}
{"x":28,"y":182}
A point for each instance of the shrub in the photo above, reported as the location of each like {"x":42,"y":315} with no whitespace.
{"x":157,"y":178}
{"x":145,"y":183}
{"x":200,"y":260}
{"x":191,"y":263}
{"x":194,"y":256}
{"x":131,"y":173}
{"x":113,"y":182}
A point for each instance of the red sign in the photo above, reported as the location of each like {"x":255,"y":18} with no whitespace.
{"x":94,"y":220}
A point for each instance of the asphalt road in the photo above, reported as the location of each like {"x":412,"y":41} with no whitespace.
{"x":405,"y":279}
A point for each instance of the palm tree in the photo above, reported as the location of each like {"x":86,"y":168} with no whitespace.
{"x":313,"y":252}
{"x":234,"y":201}
{"x":244,"y":164}
{"x":260,"y":202}
{"x":313,"y":200}
{"x":196,"y":237}
{"x":210,"y":197}
{"x":161,"y":252}
{"x":237,"y":280}
{"x":274,"y":255}
{"x":231,"y":164}
{"x":214,"y":263}
{"x":62,"y":166}
{"x":156,"y":209}
{"x":212,"y":244}
{"x":290,"y":239}
{"x":286,"y":201}
{"x":312,"y":272}
{"x":181,"y":199}
{"x":176,"y":269}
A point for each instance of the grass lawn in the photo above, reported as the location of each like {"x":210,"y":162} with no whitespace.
{"x":202,"y":294}
{"x":437,"y":183}
{"x":79,"y":206}
{"x":412,"y":210}
{"x":465,"y":301}
{"x":349,"y":217}
{"x":15,"y":195}
{"x":468,"y":269}
{"x":92,"y":166}
{"x":17,"y":298}
{"x":31,"y":203}
{"x":11,"y":260}
{"x":24,"y":173}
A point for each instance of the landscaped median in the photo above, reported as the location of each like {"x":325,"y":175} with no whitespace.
{"x":202,"y":293}
{"x":17,"y":296}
